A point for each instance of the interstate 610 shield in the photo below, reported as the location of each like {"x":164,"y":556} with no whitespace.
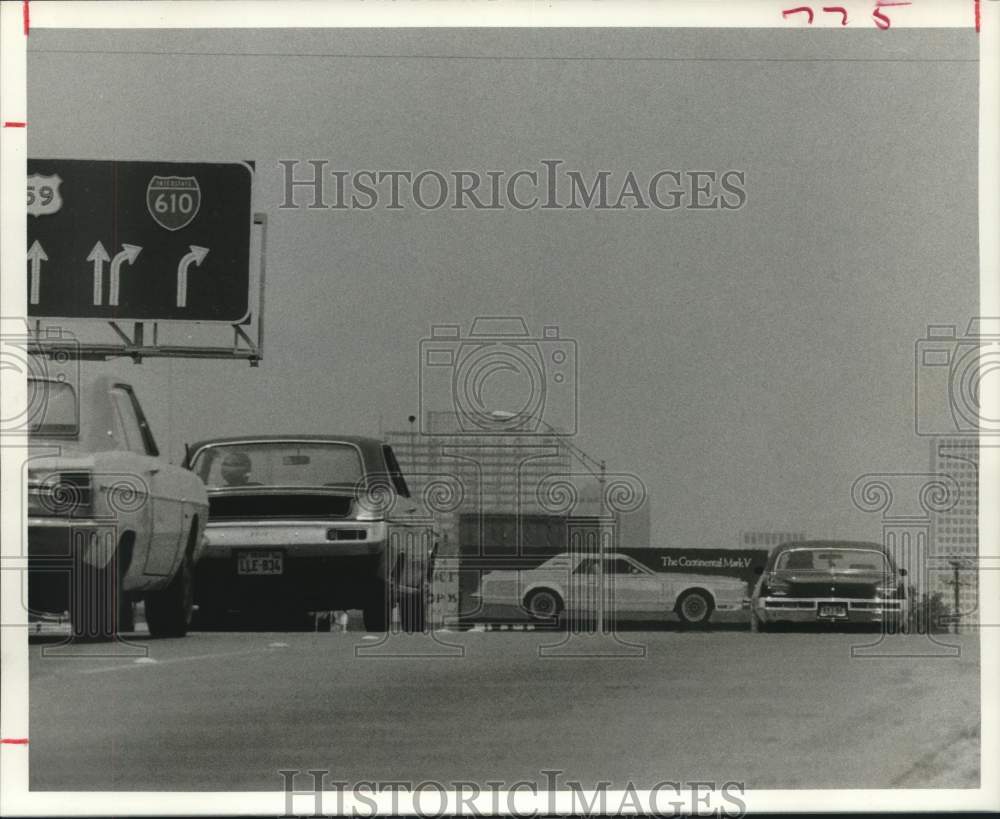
{"x":156,"y":241}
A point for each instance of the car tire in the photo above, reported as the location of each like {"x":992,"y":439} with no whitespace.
{"x":293,"y":619}
{"x":413,"y":612}
{"x":208,"y":618}
{"x":544,"y":604}
{"x":375,"y":611}
{"x":126,"y":611}
{"x":168,"y":611}
{"x":695,"y":607}
{"x":93,"y":602}
{"x":324,"y":621}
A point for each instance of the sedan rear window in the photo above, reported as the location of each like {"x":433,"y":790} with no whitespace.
{"x":306,"y":464}
{"x":832,"y":560}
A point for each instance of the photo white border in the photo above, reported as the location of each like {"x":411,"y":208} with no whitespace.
{"x":15,"y":799}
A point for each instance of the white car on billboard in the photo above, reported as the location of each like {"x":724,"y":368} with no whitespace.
{"x":567,"y":584}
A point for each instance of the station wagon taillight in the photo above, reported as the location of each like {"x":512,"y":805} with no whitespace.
{"x":60,"y":494}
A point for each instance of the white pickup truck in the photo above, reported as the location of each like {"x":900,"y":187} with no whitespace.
{"x":109,"y":520}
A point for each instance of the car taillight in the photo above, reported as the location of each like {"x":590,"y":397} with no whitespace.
{"x":888,"y":590}
{"x":61,"y":494}
{"x":368,"y":515}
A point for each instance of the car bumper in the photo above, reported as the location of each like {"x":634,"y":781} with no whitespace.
{"x":323,"y":565}
{"x":299,"y":539}
{"x":67,"y":540}
{"x":58,"y":546}
{"x":811,"y":610}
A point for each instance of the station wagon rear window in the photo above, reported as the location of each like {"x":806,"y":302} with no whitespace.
{"x":307,"y":464}
{"x":52,"y":408}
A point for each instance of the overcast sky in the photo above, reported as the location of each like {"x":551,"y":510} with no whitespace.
{"x":748,"y":364}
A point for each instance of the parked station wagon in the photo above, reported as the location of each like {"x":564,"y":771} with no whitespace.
{"x":827,"y":581}
{"x":311,"y":523}
{"x":109,"y":520}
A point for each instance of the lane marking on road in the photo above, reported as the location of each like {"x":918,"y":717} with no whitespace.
{"x":173,"y":660}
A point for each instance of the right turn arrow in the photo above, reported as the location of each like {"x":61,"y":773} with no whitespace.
{"x":128,"y":254}
{"x":197,"y":256}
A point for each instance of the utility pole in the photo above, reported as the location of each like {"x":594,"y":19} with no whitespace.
{"x":956,"y":584}
{"x":602,"y":479}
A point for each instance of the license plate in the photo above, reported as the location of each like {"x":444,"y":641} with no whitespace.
{"x":260,"y":563}
{"x":832,"y":610}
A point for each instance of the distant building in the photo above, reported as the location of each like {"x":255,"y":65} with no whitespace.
{"x":500,"y":481}
{"x":955,"y":531}
{"x":768,"y":540}
{"x":492,"y":473}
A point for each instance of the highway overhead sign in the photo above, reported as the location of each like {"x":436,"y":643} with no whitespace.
{"x":143,"y":241}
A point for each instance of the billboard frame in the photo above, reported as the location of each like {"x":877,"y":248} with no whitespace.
{"x":139,"y":344}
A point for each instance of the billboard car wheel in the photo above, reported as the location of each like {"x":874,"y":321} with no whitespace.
{"x":695,"y":608}
{"x":543,"y":604}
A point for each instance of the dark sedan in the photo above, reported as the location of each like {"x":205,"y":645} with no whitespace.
{"x":302,"y":524}
{"x":829,"y":582}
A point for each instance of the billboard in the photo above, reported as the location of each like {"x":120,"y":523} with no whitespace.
{"x":490,"y":542}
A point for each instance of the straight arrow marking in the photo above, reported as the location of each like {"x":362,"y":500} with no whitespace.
{"x":36,"y":255}
{"x":98,"y":255}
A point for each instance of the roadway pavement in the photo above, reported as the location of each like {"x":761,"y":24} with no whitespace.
{"x":228,"y":710}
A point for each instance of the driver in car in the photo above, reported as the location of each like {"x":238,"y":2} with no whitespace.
{"x":236,"y":468}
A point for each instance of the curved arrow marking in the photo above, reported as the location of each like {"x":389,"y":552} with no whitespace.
{"x":98,"y":255}
{"x":127,"y":254}
{"x":197,"y":256}
{"x":36,"y":255}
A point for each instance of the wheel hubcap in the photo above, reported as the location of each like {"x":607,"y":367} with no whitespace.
{"x":694,"y":608}
{"x":543,"y":605}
